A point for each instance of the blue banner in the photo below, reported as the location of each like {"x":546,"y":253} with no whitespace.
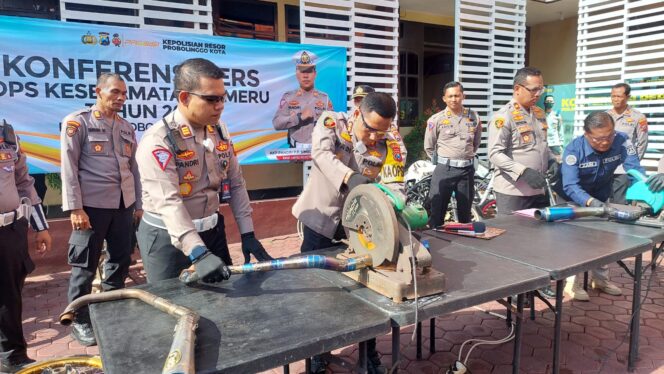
{"x":49,"y":69}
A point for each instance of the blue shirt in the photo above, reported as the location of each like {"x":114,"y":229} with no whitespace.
{"x":588,"y":173}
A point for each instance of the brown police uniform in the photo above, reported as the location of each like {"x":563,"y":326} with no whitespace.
{"x":518,"y":140}
{"x":17,"y":194}
{"x":451,"y":141}
{"x":635,"y":125}
{"x":335,"y":152}
{"x":100,"y":176}
{"x":291,"y":106}
{"x":183,"y":169}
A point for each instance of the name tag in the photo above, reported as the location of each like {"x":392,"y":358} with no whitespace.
{"x":611,"y":159}
{"x":589,"y":164}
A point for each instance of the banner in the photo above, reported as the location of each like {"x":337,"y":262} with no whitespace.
{"x":564,"y":96}
{"x":48,"y":69}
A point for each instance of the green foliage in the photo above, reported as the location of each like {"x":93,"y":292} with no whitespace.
{"x":414,"y":141}
{"x":53,"y":180}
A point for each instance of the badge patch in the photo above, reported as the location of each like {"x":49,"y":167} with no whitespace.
{"x":430,"y":125}
{"x":98,"y":148}
{"x":329,"y":123}
{"x":396,"y":150}
{"x":499,"y":122}
{"x":346,"y":136}
{"x":127,"y":149}
{"x":319,"y":104}
{"x":71,"y":131}
{"x":210,"y":129}
{"x":446,"y":122}
{"x":162,"y":156}
{"x":185,"y":131}
{"x":186,"y":155}
{"x":97,"y":114}
{"x":282,"y":103}
{"x":631,"y":150}
{"x":570,"y":160}
{"x":518,"y":118}
{"x":189,"y":176}
{"x":643,"y":124}
{"x":374,"y":153}
{"x":5,"y":156}
{"x":185,"y":189}
{"x":222,"y":146}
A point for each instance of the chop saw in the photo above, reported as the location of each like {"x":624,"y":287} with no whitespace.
{"x":378,"y":223}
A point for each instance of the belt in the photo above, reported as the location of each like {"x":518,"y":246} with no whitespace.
{"x":201,"y":224}
{"x":8,"y":218}
{"x":455,"y":163}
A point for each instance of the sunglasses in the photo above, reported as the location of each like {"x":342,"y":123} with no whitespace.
{"x":371,"y":129}
{"x":533,"y":91}
{"x":211,"y":99}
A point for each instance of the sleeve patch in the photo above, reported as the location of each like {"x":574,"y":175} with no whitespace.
{"x":570,"y":160}
{"x":163,"y":157}
{"x":631,"y":150}
{"x":499,"y":123}
{"x":329,"y":122}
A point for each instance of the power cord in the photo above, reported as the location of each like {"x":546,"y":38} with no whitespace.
{"x":460,"y":367}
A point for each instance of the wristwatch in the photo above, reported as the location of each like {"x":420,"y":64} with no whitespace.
{"x":197,"y":253}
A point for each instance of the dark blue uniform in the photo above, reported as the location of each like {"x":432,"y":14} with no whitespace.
{"x":588,"y":173}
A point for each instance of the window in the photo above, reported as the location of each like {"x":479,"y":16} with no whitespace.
{"x":409,"y":73}
{"x":292,"y":23}
{"x":245,"y":19}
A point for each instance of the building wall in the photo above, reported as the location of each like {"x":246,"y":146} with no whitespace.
{"x":553,"y":50}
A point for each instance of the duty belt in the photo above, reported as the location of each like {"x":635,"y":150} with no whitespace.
{"x":455,"y":163}
{"x":8,"y":218}
{"x":201,"y":224}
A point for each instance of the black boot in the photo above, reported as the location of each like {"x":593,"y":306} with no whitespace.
{"x":82,"y":332}
{"x":14,"y":365}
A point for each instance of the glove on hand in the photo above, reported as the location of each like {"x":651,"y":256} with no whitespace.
{"x":211,"y":268}
{"x":655,"y":182}
{"x":251,"y":245}
{"x":534,"y":178}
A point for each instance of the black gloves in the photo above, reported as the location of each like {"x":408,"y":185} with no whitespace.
{"x":211,"y":268}
{"x":594,"y":203}
{"x":655,"y":182}
{"x":535,"y":179}
{"x":357,"y":179}
{"x":251,"y":245}
{"x":554,"y":167}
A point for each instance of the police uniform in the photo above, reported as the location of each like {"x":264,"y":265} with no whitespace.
{"x":554,"y":131}
{"x":335,"y":152}
{"x":17,"y":194}
{"x":587,"y":174}
{"x":182,"y":169}
{"x":293,"y":103}
{"x":451,"y":141}
{"x":635,"y":125}
{"x":100,"y":176}
{"x":518,"y":140}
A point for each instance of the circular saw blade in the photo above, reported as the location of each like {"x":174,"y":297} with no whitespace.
{"x":369,"y":216}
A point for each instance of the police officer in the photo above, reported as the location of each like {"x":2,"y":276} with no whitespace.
{"x":451,"y":139}
{"x":589,"y":162}
{"x":100,"y":190}
{"x":359,"y":92}
{"x":554,"y":127}
{"x":347,"y":153}
{"x":185,"y":160}
{"x":300,"y":109}
{"x":518,"y":146}
{"x":633,"y":123}
{"x":19,"y":203}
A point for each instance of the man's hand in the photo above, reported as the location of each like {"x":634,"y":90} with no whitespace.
{"x":138,"y":214}
{"x":251,"y":245}
{"x":554,"y":167}
{"x":655,"y":182}
{"x":42,"y":242}
{"x":357,"y":179}
{"x":79,"y":220}
{"x":594,"y":203}
{"x":211,"y":269}
{"x":533,"y":178}
{"x":306,"y":114}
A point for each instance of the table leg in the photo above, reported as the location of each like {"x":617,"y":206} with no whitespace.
{"x":396,"y":341}
{"x":418,"y":354}
{"x":531,"y":297}
{"x":307,"y":365}
{"x":557,"y":327}
{"x":432,"y":335}
{"x":636,"y":311}
{"x":585,"y":281}
{"x":362,"y":358}
{"x":516,"y":357}
{"x":286,"y":369}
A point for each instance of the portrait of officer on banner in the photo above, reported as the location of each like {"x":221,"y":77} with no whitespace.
{"x":300,"y":108}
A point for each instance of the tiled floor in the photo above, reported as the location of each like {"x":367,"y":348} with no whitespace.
{"x":593,"y":333}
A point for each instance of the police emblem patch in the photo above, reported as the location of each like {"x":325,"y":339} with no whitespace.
{"x":643,"y":124}
{"x":189,"y":176}
{"x":499,"y":123}
{"x":631,"y":150}
{"x":185,"y":131}
{"x":98,"y":148}
{"x":185,"y":189}
{"x":570,"y":160}
{"x":5,"y":156}
{"x":329,"y":122}
{"x":222,"y":146}
{"x":162,"y":156}
{"x":346,"y":136}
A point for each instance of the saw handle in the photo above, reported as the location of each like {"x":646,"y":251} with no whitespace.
{"x":398,"y":202}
